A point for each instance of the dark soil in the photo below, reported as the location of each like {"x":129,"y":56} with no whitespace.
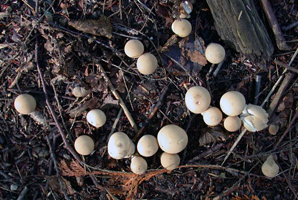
{"x":62,"y":39}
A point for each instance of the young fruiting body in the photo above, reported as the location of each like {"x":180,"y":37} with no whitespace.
{"x":147,"y":145}
{"x":119,"y":145}
{"x":215,"y":53}
{"x":182,"y":27}
{"x":197,"y":99}
{"x":96,"y":117}
{"x":84,"y":145}
{"x":273,"y":129}
{"x":172,"y":139}
{"x":169,"y":161}
{"x":212,"y":116}
{"x":80,"y":92}
{"x":254,"y":118}
{"x":232,"y":103}
{"x":270,"y":168}
{"x":138,"y":165}
{"x":134,"y":48}
{"x":147,"y":63}
{"x":232,"y":124}
{"x":25,"y":104}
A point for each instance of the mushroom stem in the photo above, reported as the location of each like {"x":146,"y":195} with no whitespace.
{"x":234,"y":145}
{"x":257,"y":88}
{"x":218,"y":68}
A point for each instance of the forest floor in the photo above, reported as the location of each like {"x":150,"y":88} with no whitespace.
{"x":47,"y":49}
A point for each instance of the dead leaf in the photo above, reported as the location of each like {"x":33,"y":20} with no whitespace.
{"x":55,"y":185}
{"x":212,"y":135}
{"x":99,"y":27}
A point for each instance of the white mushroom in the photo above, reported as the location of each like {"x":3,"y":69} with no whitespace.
{"x":84,"y":145}
{"x":80,"y":91}
{"x":169,"y":161}
{"x":119,"y":145}
{"x":215,"y":53}
{"x":134,"y":48}
{"x":147,"y":64}
{"x":138,"y":165}
{"x":181,"y":27}
{"x":25,"y":104}
{"x":131,"y":150}
{"x":96,"y":117}
{"x":172,"y":139}
{"x":232,"y":103}
{"x":212,"y":116}
{"x":197,"y":99}
{"x":270,"y":168}
{"x":254,"y":118}
{"x":147,"y":145}
{"x":232,"y":124}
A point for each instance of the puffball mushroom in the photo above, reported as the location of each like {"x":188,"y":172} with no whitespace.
{"x":134,"y":48}
{"x":169,"y":161}
{"x":254,"y":118}
{"x":25,"y":104}
{"x":197,"y":99}
{"x":212,"y":116}
{"x":147,"y":64}
{"x":232,"y":124}
{"x":147,"y":145}
{"x":84,"y":145}
{"x":270,"y":168}
{"x":273,"y":129}
{"x":80,"y":91}
{"x":172,"y":139}
{"x":181,"y":27}
{"x":131,"y":150}
{"x":119,"y":145}
{"x":96,"y":117}
{"x":138,"y":165}
{"x":215,"y":53}
{"x":232,"y":103}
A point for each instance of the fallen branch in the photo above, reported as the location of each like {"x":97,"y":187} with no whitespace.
{"x":293,"y":69}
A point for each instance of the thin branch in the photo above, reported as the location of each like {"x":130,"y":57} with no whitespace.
{"x":293,"y":69}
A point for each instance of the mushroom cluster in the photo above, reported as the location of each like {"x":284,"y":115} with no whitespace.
{"x":254,"y":118}
{"x":146,"y":63}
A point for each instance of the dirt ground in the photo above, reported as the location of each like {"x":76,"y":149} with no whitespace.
{"x":47,"y":48}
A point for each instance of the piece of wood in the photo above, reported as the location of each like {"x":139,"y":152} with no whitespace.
{"x":239,"y":26}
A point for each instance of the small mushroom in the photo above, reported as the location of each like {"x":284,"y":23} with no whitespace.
{"x":25,"y":104}
{"x":131,"y":150}
{"x":270,"y":168}
{"x":84,"y":145}
{"x":215,"y":53}
{"x":119,"y":145}
{"x":232,"y":124}
{"x":212,"y":116}
{"x":80,"y":92}
{"x":96,"y":117}
{"x":169,"y":161}
{"x":147,"y":64}
{"x":134,"y":48}
{"x":138,"y":165}
{"x":172,"y":139}
{"x":232,"y":103}
{"x":254,"y":118}
{"x":273,"y":129}
{"x":147,"y":145}
{"x":181,"y":27}
{"x":197,"y":99}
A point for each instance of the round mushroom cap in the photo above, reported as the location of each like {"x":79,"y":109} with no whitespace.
{"x":138,"y":165}
{"x":232,"y":103}
{"x":197,"y":99}
{"x":147,"y":145}
{"x":273,"y":129}
{"x":131,"y":150}
{"x":215,"y":53}
{"x":80,"y":92}
{"x":134,"y":48}
{"x":119,"y":145}
{"x":270,"y":168}
{"x":169,"y":161}
{"x":172,"y":139}
{"x":181,"y":27}
{"x":212,"y":116}
{"x":96,"y":117}
{"x":232,"y":124}
{"x":147,"y":64}
{"x":25,"y":104}
{"x":84,"y":145}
